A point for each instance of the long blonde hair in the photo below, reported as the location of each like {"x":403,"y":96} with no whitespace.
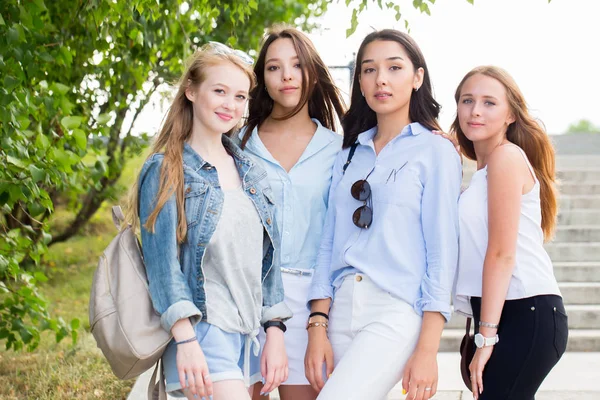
{"x":526,"y":133}
{"x":176,"y":129}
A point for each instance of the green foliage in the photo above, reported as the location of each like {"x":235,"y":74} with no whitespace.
{"x":361,"y":5}
{"x":72,"y":77}
{"x":583,"y":126}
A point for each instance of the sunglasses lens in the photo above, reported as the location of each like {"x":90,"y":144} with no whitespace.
{"x":361,"y":190}
{"x":362,"y":217}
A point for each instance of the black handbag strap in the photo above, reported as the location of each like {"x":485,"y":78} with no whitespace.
{"x":468,"y":326}
{"x":350,"y":155}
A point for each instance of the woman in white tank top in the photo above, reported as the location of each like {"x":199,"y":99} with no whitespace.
{"x":505,"y":278}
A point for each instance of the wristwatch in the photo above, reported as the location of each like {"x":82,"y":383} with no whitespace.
{"x":482,"y":341}
{"x":278,"y":324}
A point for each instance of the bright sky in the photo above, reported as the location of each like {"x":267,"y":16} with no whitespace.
{"x":552,"y":50}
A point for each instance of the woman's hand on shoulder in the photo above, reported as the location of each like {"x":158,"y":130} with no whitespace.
{"x":452,"y":140}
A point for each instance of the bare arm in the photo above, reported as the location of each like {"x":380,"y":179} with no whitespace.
{"x":507,"y":175}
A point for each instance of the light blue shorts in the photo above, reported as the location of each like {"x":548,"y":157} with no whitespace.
{"x":224,"y":352}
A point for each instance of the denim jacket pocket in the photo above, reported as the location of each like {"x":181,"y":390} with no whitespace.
{"x":194,"y":193}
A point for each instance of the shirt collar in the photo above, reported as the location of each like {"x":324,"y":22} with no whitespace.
{"x":413,"y":129}
{"x":321,"y":139}
{"x":195,"y":161}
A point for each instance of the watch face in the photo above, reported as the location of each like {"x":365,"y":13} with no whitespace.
{"x":479,"y":340}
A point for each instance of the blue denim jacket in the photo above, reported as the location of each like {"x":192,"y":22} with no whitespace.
{"x":174,"y":270}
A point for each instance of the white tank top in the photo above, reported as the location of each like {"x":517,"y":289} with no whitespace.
{"x":532,"y":275}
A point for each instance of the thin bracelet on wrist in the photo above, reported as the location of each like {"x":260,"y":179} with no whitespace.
{"x":488,"y":325}
{"x":316,"y":324}
{"x":190,"y":340}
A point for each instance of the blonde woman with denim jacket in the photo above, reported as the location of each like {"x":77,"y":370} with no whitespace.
{"x":209,"y":239}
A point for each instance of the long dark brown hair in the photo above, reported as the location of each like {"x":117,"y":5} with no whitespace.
{"x":318,"y":89}
{"x":526,"y":133}
{"x":422,"y":107}
{"x":176,"y":129}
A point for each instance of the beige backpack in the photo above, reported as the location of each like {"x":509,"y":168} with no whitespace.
{"x":122,"y":319}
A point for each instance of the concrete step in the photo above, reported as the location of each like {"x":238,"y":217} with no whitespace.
{"x":577,"y":233}
{"x":580,"y":292}
{"x":572,"y":202}
{"x":588,"y":187}
{"x":579,"y":216}
{"x":577,"y":161}
{"x":577,"y":271}
{"x":579,"y":340}
{"x":580,"y":317}
{"x":575,"y":251}
{"x":582,"y":174}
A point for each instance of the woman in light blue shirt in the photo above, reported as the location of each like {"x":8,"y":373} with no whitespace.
{"x":290,"y":134}
{"x":390,"y":243}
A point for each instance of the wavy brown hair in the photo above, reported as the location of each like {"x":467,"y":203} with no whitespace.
{"x":527,"y":133}
{"x":422,"y":107}
{"x":176,"y":130}
{"x":318,"y":89}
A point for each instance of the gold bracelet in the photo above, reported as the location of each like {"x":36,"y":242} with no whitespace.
{"x":314,"y":324}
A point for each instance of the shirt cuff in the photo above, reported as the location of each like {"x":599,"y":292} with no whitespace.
{"x":319,"y":292}
{"x":180,"y":310}
{"x":434,"y":306}
{"x":278,"y":311}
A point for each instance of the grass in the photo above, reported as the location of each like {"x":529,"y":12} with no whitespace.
{"x":61,"y":371}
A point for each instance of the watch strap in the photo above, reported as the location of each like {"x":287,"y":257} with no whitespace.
{"x":278,"y":324}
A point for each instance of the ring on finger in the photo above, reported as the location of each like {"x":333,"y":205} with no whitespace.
{"x":427,"y":389}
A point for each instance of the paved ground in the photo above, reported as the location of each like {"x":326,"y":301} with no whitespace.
{"x":577,"y":376}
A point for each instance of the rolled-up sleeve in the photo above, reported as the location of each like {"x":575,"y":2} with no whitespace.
{"x":170,"y":293}
{"x":439,"y":219}
{"x":321,"y":286}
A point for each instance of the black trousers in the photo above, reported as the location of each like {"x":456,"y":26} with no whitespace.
{"x":533,"y":336}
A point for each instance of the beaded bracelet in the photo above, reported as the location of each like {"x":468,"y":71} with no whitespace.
{"x":190,"y":340}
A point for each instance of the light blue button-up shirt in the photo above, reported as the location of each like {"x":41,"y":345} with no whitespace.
{"x":301,"y":195}
{"x":411,"y":248}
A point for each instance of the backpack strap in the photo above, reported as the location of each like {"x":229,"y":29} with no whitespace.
{"x":118,"y":217}
{"x":350,"y":155}
{"x":157,"y":390}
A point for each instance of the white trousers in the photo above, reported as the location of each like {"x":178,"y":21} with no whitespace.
{"x":372,"y":334}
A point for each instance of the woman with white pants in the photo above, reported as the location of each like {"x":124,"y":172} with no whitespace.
{"x":390,"y":243}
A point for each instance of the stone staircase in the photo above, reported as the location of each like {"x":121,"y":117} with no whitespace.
{"x":575,"y":252}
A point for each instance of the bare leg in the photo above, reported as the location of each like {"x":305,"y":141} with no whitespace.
{"x":297,"y":392}
{"x":230,"y":390}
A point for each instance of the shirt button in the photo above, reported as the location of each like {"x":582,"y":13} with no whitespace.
{"x":358,"y":278}
{"x":288,"y":208}
{"x":189,"y":189}
{"x":268,"y":219}
{"x":252,"y":191}
{"x":286,"y":233}
{"x":209,"y":168}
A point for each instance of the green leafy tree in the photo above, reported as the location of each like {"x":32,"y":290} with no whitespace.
{"x":75,"y":76}
{"x":583,"y":126}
